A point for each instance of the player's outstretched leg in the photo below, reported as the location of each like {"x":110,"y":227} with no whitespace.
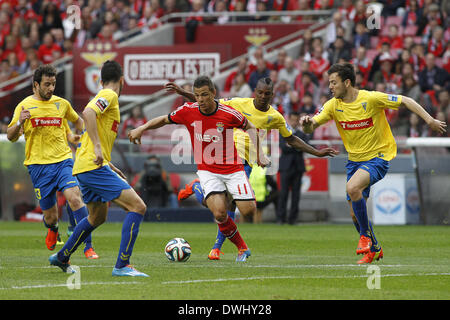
{"x":50,"y":219}
{"x":79,"y":215}
{"x":130,"y":230}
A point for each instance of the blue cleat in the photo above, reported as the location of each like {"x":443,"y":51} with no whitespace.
{"x":243,"y":255}
{"x":127,"y":271}
{"x":64,"y":266}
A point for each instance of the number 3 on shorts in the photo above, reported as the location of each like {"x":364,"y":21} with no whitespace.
{"x":37,"y":192}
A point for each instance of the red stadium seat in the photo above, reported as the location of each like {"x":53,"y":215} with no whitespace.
{"x":410,"y":30}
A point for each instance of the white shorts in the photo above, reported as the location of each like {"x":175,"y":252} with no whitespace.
{"x":236,"y":183}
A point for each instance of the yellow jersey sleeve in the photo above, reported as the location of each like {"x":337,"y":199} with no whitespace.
{"x":325,"y":113}
{"x":385,"y":100}
{"x":104,"y":100}
{"x":284,"y":129}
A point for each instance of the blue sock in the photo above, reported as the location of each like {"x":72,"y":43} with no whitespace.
{"x":356,"y":224}
{"x":130,"y":230}
{"x":220,"y":238}
{"x":375,"y":246}
{"x":197,"y":188}
{"x":79,"y":215}
{"x":71,"y":218}
{"x":360,"y":210}
{"x":82,"y":230}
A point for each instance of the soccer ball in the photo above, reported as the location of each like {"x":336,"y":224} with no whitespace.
{"x":178,"y":250}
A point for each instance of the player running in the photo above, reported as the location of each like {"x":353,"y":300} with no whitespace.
{"x":100,"y":180}
{"x":42,"y":118}
{"x":219,"y":167}
{"x":260,"y":113}
{"x":361,"y":121}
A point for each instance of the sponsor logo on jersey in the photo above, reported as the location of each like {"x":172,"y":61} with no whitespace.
{"x":115,"y":126}
{"x":356,"y":125}
{"x":46,"y":122}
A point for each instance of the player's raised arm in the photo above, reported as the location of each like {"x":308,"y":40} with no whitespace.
{"x":90,"y":118}
{"x":173,"y":87}
{"x":15,"y":131}
{"x":155,"y":123}
{"x":413,"y":106}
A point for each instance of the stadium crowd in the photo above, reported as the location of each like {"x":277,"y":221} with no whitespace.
{"x":409,"y":54}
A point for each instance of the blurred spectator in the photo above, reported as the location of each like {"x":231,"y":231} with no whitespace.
{"x":242,"y":67}
{"x":416,"y":126}
{"x":240,"y":87}
{"x":394,"y":38}
{"x":261,"y":6}
{"x":386,"y":75}
{"x":289,"y":72}
{"x":149,"y":20}
{"x":361,"y":37}
{"x":411,"y":14}
{"x":432,"y":77}
{"x":318,"y":64}
{"x":437,"y":45}
{"x":262,"y":71}
{"x":7,"y":73}
{"x":338,"y":51}
{"x":50,"y":18}
{"x":362,"y":63}
{"x":281,"y":57}
{"x":45,"y":52}
{"x":4,"y":124}
{"x":292,"y":167}
{"x":443,"y":100}
{"x":307,"y":105}
{"x":305,"y":85}
{"x":135,"y":120}
{"x":284,"y":98}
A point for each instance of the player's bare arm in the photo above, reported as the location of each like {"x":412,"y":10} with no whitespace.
{"x":174,"y":88}
{"x":155,"y":123}
{"x":90,"y":118}
{"x":413,"y":106}
{"x":117,"y":170}
{"x":300,"y":145}
{"x":79,"y":125}
{"x":14,"y":132}
{"x":251,"y":130}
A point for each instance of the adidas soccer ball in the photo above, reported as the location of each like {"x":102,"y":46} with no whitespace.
{"x":178,"y":250}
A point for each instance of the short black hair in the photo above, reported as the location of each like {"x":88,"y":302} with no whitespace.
{"x":43,"y":70}
{"x":266,"y":82}
{"x":111,"y":72}
{"x":204,"y":81}
{"x":344,"y":70}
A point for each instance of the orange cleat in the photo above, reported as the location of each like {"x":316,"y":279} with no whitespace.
{"x":364,"y":245}
{"x":187,"y":191}
{"x":91,"y":254}
{"x":369,"y":257}
{"x":51,"y":239}
{"x":214,"y":254}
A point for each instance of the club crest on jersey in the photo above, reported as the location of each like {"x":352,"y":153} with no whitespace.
{"x":364,"y":105}
{"x":220,"y":126}
{"x":102,"y":104}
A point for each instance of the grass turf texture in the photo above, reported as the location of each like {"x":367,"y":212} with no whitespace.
{"x":287,"y":262}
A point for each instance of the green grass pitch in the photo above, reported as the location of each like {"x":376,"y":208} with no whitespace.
{"x":287,"y":263}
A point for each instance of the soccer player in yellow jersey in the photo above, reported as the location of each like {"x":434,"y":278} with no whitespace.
{"x":361,"y":121}
{"x":263,"y":116}
{"x":100,"y":180}
{"x":42,"y":118}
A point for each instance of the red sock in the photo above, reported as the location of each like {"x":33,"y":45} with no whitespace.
{"x":229,"y":230}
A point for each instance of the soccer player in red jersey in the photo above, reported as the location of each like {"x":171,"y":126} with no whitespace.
{"x":210,"y":125}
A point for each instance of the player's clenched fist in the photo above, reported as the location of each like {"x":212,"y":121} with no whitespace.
{"x":135,"y":135}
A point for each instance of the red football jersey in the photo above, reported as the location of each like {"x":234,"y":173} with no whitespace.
{"x":212,"y":136}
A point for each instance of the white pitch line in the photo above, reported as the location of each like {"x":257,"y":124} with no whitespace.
{"x":303,"y":277}
{"x":39,"y":286}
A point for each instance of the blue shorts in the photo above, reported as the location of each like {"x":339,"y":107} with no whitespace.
{"x":376,"y":167}
{"x":101,"y":185}
{"x":49,"y":178}
{"x":247,"y":169}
